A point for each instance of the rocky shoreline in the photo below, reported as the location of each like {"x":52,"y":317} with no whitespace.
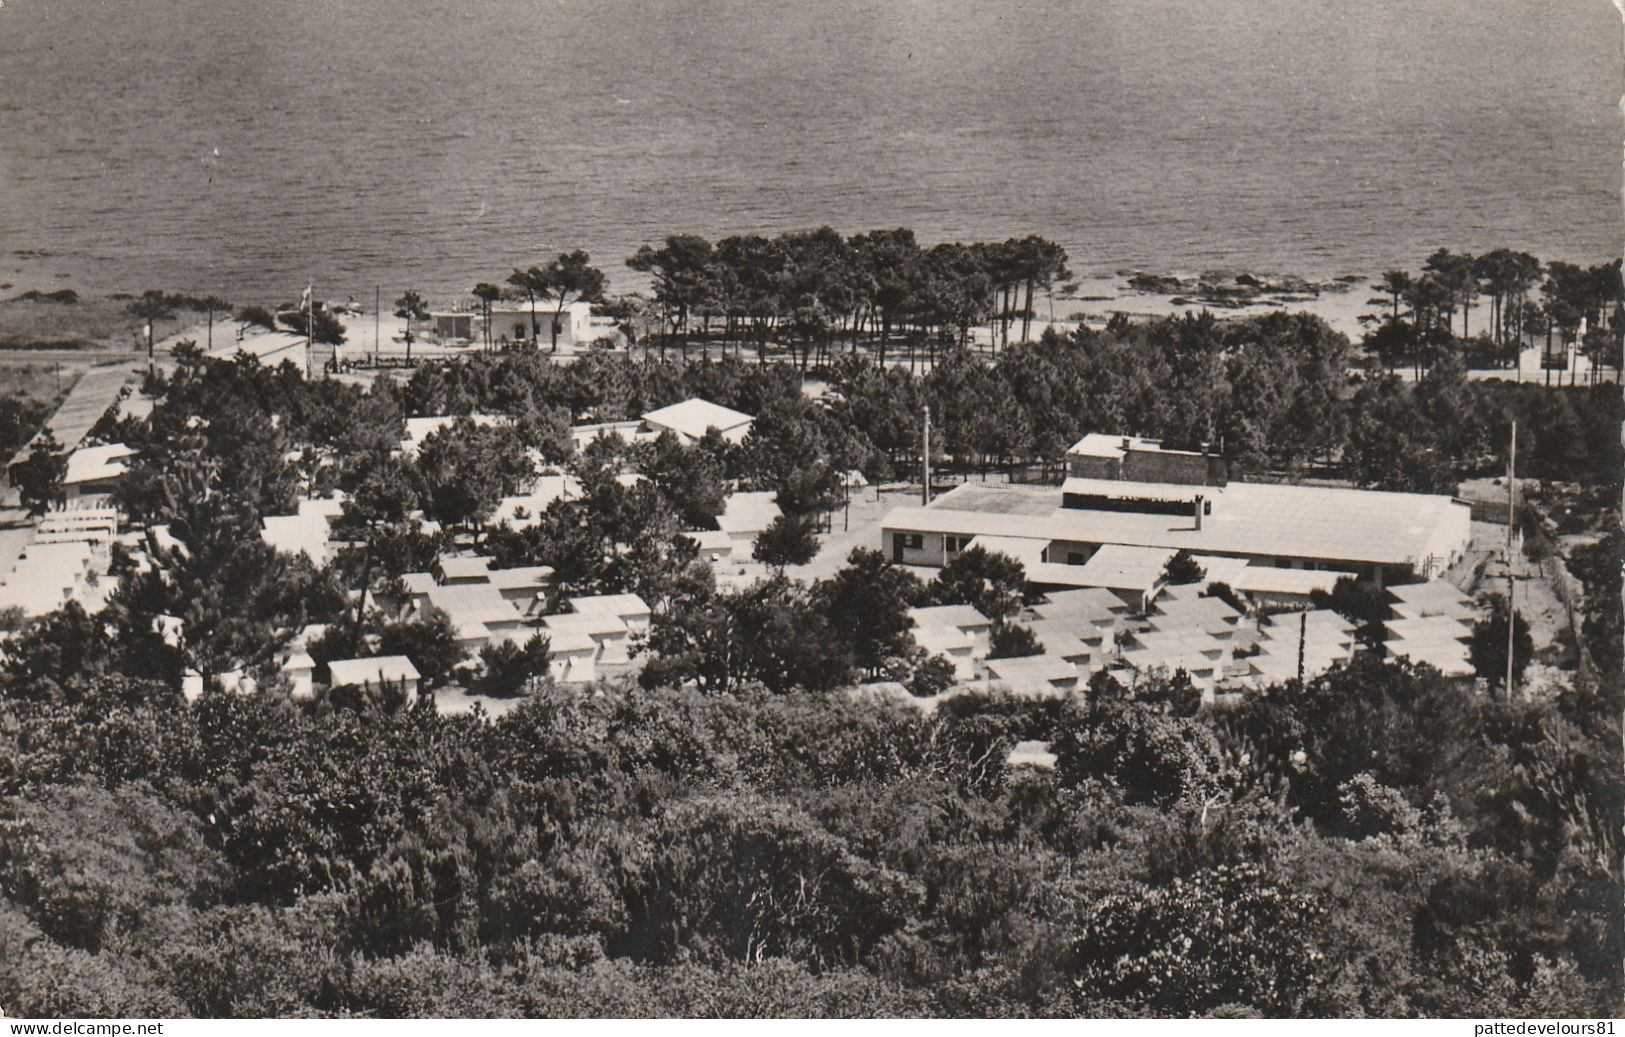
{"x":1233,"y":290}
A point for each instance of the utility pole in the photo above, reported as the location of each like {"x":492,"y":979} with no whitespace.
{"x":1303,"y":635}
{"x":925,"y":491}
{"x":1512,"y":582}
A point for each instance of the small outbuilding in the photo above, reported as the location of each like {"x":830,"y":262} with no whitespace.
{"x":379,"y":672}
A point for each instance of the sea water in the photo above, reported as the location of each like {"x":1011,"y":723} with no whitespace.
{"x":249,"y":147}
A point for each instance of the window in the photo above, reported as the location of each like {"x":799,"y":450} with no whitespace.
{"x":1283,"y":563}
{"x":957,"y":544}
{"x":1075,"y":558}
{"x":912,"y":541}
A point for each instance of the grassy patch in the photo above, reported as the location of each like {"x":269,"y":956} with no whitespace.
{"x":88,"y":324}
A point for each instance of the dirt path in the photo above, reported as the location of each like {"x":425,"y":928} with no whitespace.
{"x":1535,"y":599}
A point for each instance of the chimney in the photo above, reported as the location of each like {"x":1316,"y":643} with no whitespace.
{"x":1199,"y":503}
{"x":1127,"y":442}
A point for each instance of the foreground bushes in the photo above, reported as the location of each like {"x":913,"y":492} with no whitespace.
{"x":660,"y":852}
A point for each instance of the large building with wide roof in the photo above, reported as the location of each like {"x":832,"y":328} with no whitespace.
{"x":1388,"y":537}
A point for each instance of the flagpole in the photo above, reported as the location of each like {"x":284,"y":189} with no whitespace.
{"x":310,"y":323}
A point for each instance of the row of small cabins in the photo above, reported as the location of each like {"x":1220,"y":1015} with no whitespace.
{"x":67,"y":559}
{"x":1187,"y":630}
{"x":1099,"y":545}
{"x":589,"y":637}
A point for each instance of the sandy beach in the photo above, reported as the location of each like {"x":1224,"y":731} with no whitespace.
{"x":1092,"y":299}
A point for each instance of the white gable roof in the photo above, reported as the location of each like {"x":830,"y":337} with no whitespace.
{"x":694,"y":417}
{"x":96,"y":463}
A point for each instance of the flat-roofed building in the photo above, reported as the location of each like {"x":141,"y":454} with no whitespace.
{"x":1212,"y":616}
{"x":961,"y":617}
{"x":1102,"y":456}
{"x":453,"y":570}
{"x":1092,"y":614}
{"x":525,"y":587}
{"x":744,"y":516}
{"x":610,"y":638}
{"x":715,"y":544}
{"x":1388,"y":537}
{"x":455,"y":325}
{"x":630,"y":609}
{"x":394,"y":672}
{"x":1204,"y":669}
{"x":305,"y":532}
{"x":91,"y":525}
{"x":1439,"y":638}
{"x":479,"y":613}
{"x":1034,"y":676}
{"x":583,"y":436}
{"x":958,"y":633}
{"x":300,"y":669}
{"x":1100,"y":606}
{"x":572,"y":656}
{"x":1063,"y":638}
{"x":952,"y":644}
{"x":610,"y":622}
{"x":514,"y":321}
{"x":1433,"y":598}
{"x":1267,"y":586}
{"x":1315,"y":640}
{"x":48,"y":576}
{"x":1312,"y":623}
{"x":524,"y":510}
{"x":1133,"y":573}
{"x":1447,"y":655}
{"x":1272,"y":667}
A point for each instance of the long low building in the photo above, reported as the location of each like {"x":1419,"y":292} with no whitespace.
{"x":1387,"y":537}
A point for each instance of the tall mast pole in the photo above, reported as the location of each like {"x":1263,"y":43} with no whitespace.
{"x":925,"y":490}
{"x":1512,"y":582}
{"x":310,"y":324}
{"x":377,"y":302}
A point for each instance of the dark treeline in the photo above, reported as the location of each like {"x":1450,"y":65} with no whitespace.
{"x":1272,"y":392}
{"x":20,"y":419}
{"x":1376,"y":843}
{"x":811,"y":289}
{"x":1526,"y":300}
